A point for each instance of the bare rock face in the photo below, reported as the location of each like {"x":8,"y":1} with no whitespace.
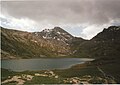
{"x":56,"y":33}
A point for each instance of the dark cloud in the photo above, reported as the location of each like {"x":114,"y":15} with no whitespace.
{"x":90,"y":16}
{"x":65,"y":11}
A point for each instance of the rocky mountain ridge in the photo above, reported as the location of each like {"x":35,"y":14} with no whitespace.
{"x":58,"y":43}
{"x":18,"y":43}
{"x":56,"y":33}
{"x":104,"y":44}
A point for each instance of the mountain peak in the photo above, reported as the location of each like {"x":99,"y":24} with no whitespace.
{"x":57,"y":28}
{"x":56,"y":33}
{"x":110,"y":33}
{"x":112,"y":28}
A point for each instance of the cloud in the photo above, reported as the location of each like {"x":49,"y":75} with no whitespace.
{"x":90,"y":31}
{"x":84,"y":18}
{"x":24,"y":24}
{"x":66,"y":11}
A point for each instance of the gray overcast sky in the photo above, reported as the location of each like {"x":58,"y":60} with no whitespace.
{"x":84,"y":18}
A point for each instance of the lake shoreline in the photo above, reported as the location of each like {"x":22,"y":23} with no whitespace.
{"x":86,"y":73}
{"x":80,"y":65}
{"x":44,"y":58}
{"x":42,"y":63}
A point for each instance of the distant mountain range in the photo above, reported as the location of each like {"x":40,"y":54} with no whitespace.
{"x":57,"y":42}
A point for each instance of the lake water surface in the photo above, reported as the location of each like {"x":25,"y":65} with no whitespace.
{"x":41,"y":64}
